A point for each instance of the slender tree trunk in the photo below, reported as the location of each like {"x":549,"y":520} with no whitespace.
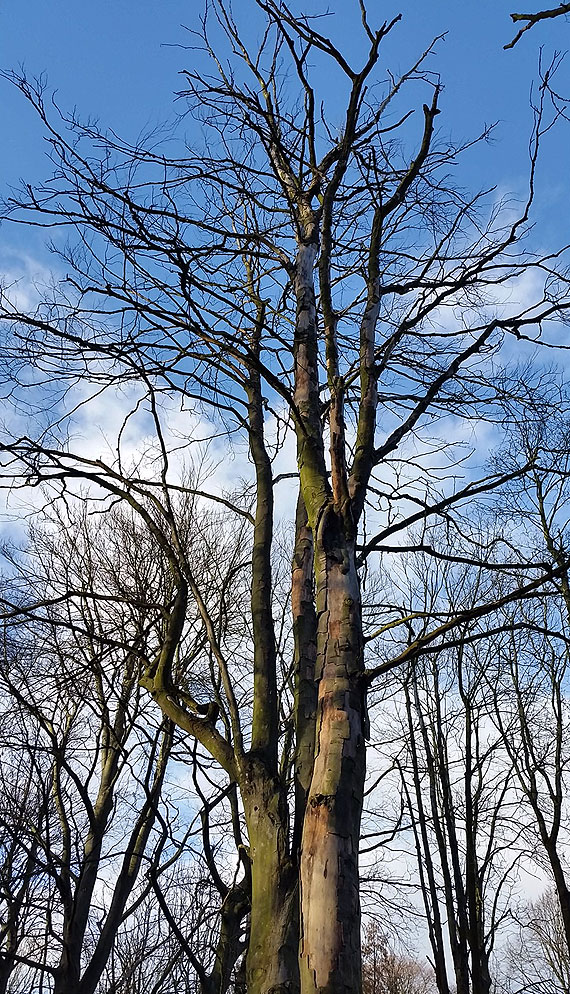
{"x":235,"y":907}
{"x":480,"y":973}
{"x":305,"y":636}
{"x":330,"y":907}
{"x":68,"y":971}
{"x":425,"y":856}
{"x":561,"y":886}
{"x":7,"y":963}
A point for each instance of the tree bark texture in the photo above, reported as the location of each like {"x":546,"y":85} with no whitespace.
{"x":272,"y":959}
{"x":330,"y":905}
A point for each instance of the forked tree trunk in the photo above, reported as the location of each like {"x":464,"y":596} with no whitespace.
{"x":330,"y":906}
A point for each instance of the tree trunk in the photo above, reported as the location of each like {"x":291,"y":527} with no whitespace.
{"x":272,"y":958}
{"x":7,"y":964}
{"x":330,"y":906}
{"x":305,"y":637}
{"x":561,"y":888}
{"x":66,"y":974}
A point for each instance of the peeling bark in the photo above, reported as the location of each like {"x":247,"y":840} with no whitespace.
{"x":329,"y":951}
{"x":330,"y":942}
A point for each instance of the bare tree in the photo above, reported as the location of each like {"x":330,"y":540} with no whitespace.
{"x":538,"y":958}
{"x":457,"y":785}
{"x":92,"y":827}
{"x":90,"y":757}
{"x":303,"y":268}
{"x":384,"y":971}
{"x":530,"y":683}
{"x":23,"y":815}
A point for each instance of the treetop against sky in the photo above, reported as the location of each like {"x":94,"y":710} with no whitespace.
{"x":120,"y":64}
{"x":126,"y":80}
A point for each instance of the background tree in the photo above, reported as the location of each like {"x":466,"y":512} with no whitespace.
{"x":22,"y":824}
{"x":79,"y":724}
{"x":455,"y":777}
{"x":386,"y":972}
{"x":531,"y":690}
{"x":538,"y":956}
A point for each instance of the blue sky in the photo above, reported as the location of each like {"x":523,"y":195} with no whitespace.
{"x":117,"y":60}
{"x":120,"y":62}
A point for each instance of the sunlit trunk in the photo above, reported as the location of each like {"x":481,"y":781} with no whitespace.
{"x":330,"y":908}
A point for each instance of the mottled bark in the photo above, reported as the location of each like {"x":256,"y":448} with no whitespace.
{"x":305,"y":639}
{"x":229,"y":336}
{"x":330,"y":905}
{"x":364,"y":448}
{"x":315,"y":488}
{"x":272,"y":958}
{"x":329,"y":951}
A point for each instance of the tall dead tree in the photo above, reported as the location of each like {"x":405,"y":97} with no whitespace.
{"x":296,"y":269}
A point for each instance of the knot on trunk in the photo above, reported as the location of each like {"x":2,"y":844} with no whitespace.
{"x":322,"y":800}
